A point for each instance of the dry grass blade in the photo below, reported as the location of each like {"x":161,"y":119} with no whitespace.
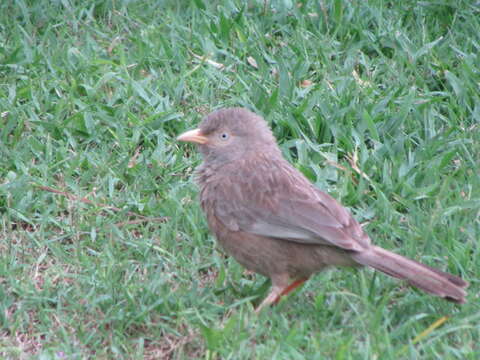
{"x":141,"y":218}
{"x":425,"y":333}
{"x":353,"y":160}
{"x":205,"y":59}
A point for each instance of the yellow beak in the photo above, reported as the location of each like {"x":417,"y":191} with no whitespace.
{"x":193,"y":136}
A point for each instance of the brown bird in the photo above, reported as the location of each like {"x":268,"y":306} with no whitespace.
{"x":272,"y":220}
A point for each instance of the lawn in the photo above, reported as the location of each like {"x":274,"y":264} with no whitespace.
{"x":104,"y":251}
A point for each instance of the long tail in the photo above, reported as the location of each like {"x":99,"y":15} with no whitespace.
{"x":433,"y":281}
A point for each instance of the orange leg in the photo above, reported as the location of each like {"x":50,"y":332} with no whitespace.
{"x":277,"y":292}
{"x":289,"y":289}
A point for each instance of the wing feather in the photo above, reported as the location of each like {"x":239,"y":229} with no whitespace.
{"x":277,"y":201}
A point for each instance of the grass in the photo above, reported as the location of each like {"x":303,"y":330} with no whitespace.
{"x":376,"y":102}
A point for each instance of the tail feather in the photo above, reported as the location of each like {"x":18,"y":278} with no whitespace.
{"x":433,"y":281}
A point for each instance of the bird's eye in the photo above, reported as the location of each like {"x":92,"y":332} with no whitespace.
{"x":224,"y":136}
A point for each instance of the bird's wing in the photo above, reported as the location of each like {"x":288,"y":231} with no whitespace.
{"x":277,"y":201}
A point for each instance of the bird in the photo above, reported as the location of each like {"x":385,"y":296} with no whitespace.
{"x":275,"y":222}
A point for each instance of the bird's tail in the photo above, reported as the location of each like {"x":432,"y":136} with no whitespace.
{"x":433,"y":281}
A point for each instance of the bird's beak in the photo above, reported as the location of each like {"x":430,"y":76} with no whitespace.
{"x":193,"y":136}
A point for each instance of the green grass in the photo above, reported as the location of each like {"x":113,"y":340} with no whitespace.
{"x":376,"y":102}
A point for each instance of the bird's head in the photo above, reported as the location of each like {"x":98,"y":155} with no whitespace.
{"x":229,"y":134}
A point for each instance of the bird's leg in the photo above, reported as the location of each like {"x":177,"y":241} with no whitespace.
{"x":271,"y":298}
{"x":290,"y":288}
{"x":277,"y":292}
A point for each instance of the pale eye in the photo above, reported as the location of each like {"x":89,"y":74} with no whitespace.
{"x":224,"y":136}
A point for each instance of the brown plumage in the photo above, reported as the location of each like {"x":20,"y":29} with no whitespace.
{"x":272,"y":220}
